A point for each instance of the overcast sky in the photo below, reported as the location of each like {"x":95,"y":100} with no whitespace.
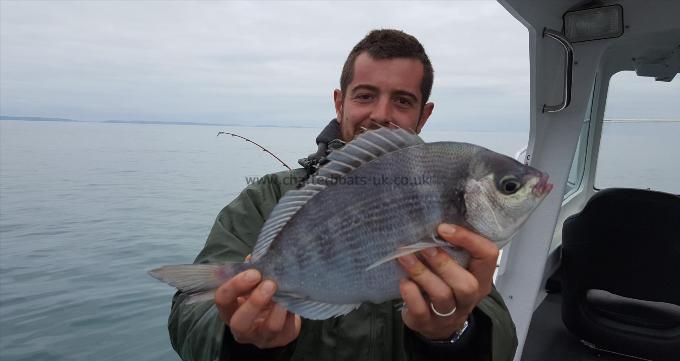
{"x":256,"y":63}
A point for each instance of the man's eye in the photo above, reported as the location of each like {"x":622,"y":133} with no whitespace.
{"x":405,"y":102}
{"x":363,"y":97}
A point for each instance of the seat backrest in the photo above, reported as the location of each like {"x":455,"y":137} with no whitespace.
{"x":621,"y":272}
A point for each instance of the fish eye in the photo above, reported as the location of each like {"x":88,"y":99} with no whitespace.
{"x":509,"y":185}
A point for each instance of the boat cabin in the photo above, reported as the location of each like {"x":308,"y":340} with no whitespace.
{"x":594,"y":273}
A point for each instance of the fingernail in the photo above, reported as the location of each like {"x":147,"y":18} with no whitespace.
{"x":447,"y":229}
{"x":251,"y":275}
{"x":430,"y":252}
{"x":408,"y":260}
{"x":267,"y":288}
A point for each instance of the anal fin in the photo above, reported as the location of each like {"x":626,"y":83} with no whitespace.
{"x":313,"y":310}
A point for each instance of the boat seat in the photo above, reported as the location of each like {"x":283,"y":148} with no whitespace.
{"x":621,"y":273}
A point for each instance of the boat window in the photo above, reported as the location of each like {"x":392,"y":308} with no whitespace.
{"x":639,"y":144}
{"x":578,"y":163}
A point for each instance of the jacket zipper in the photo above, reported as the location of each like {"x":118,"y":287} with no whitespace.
{"x":371,"y":344}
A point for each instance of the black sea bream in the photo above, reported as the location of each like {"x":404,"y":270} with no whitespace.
{"x":332,"y":244}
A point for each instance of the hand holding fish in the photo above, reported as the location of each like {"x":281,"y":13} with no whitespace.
{"x":446,"y":284}
{"x":245,"y":305}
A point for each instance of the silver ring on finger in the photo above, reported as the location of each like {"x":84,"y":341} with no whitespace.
{"x":447,"y":314}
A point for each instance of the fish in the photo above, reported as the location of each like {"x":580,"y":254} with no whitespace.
{"x":331,"y":245}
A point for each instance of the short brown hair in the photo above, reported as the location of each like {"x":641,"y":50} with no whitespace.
{"x":389,"y":44}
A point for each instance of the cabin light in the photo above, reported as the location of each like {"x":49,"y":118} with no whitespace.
{"x":594,"y":24}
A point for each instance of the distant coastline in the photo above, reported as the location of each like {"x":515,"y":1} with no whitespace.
{"x":116,"y":121}
{"x":152,"y":122}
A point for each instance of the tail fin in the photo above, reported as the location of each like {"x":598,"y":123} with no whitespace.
{"x":196,"y":278}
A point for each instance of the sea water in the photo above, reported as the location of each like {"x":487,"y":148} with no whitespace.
{"x":86,"y":209}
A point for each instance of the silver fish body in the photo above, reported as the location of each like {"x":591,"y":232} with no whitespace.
{"x":326,"y":248}
{"x":331,"y":245}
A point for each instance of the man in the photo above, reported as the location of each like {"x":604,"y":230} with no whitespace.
{"x":450,"y":312}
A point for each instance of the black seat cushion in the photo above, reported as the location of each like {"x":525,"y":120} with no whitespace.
{"x":621,"y":273}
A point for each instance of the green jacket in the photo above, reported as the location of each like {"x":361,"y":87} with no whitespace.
{"x":373,"y":332}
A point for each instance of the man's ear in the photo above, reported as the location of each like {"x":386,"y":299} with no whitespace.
{"x":424,"y":116}
{"x":337,"y":99}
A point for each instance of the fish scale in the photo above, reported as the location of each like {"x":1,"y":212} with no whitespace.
{"x":392,"y":208}
{"x":331,"y":245}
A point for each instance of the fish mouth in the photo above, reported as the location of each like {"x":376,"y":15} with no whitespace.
{"x":543,"y":187}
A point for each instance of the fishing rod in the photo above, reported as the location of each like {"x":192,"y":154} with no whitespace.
{"x":261,"y":147}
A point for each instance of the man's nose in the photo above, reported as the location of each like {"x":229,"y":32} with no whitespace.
{"x":382,"y":112}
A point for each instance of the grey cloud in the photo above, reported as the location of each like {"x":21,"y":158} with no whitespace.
{"x":246,"y":62}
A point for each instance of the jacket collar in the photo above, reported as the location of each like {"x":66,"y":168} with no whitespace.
{"x":327,"y":141}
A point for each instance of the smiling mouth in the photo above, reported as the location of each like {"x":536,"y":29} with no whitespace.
{"x":543,"y":187}
{"x":373,"y":125}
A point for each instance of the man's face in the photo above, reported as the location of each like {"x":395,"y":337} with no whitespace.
{"x":385,"y":92}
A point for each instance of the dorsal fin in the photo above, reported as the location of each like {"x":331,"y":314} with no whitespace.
{"x":289,"y":204}
{"x":364,"y":148}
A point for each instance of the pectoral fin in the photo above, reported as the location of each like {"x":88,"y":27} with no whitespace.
{"x":431,"y":242}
